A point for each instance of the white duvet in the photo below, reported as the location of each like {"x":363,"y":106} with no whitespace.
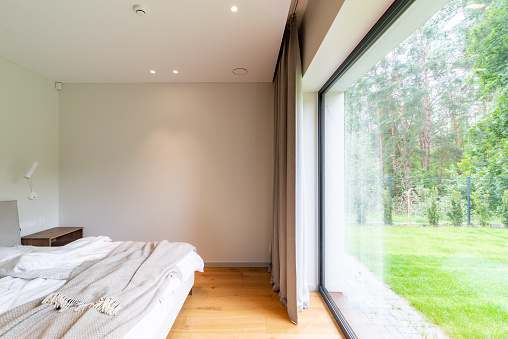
{"x":56,"y":262}
{"x":33,"y":272}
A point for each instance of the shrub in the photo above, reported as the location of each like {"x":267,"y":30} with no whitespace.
{"x":504,"y":209}
{"x":360,"y":211}
{"x":481,"y":207}
{"x":387,"y":208}
{"x":455,"y":212}
{"x":431,"y":205}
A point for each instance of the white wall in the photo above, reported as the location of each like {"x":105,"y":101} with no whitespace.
{"x":318,"y":17}
{"x":334,"y":218}
{"x":29,"y":132}
{"x":354,"y":19}
{"x":184,"y":162}
{"x":311,"y":203}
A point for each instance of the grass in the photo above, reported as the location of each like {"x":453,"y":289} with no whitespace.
{"x":456,"y":276}
{"x":377,"y":216}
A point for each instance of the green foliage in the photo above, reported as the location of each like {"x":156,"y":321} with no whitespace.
{"x":504,"y":209}
{"x":489,"y":48}
{"x":486,"y":144}
{"x":387,"y":208}
{"x":486,"y":151}
{"x":431,"y":205}
{"x":455,"y":212}
{"x":481,"y":207}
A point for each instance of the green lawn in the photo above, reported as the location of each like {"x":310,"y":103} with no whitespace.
{"x":456,"y":276}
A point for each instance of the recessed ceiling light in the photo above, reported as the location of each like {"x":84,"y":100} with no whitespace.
{"x":234,"y":9}
{"x":240,"y":71}
{"x":475,"y":6}
{"x":152,"y":71}
{"x":175,"y":71}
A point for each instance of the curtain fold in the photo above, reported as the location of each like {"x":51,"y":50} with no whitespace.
{"x":288,"y":240}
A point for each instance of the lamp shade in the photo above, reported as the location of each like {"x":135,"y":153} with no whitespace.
{"x":31,"y":170}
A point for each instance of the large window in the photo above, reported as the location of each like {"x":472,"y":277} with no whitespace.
{"x":414,"y":175}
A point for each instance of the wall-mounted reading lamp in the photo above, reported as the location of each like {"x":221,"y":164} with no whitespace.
{"x":28,"y":175}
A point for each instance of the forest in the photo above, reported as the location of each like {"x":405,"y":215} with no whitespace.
{"x":428,"y":116}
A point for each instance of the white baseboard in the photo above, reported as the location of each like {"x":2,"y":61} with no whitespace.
{"x":313,"y":288}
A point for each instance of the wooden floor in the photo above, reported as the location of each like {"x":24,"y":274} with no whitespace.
{"x":238,"y":303}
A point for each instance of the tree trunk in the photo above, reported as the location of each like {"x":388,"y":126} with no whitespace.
{"x":380,"y":131}
{"x":455,"y":124}
{"x":427,"y":105}
{"x":392,"y":123}
{"x":405,"y":127}
{"x":441,"y":167}
{"x":380,"y":141}
{"x":421,"y":139}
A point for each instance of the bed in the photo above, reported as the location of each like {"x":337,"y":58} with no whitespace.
{"x":54,"y":291}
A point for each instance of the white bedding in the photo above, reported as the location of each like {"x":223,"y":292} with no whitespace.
{"x":56,"y":262}
{"x":38,"y":271}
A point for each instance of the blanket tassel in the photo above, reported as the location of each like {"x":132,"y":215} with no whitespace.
{"x":61,"y":302}
{"x":104,"y":305}
{"x":108,"y":306}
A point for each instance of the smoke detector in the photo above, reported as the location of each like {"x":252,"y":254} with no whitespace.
{"x":140,"y":9}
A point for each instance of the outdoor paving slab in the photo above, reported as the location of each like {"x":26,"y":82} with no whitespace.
{"x":377,"y":328}
{"x":393,"y":321}
{"x":380,"y":320}
{"x":388,"y":315}
{"x":394,"y":332}
{"x":408,"y":329}
{"x":405,"y":323}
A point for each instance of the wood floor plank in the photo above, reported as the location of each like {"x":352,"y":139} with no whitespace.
{"x":238,"y":303}
{"x":224,"y":324}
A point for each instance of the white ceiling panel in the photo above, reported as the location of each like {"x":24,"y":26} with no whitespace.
{"x":98,"y":41}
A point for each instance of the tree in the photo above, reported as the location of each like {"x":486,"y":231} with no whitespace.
{"x":408,"y":116}
{"x":481,"y":207}
{"x":455,"y":212}
{"x":387,"y":208}
{"x":431,"y":205}
{"x":489,"y":48}
{"x":486,"y":149}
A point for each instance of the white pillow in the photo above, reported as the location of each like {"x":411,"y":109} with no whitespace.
{"x":7,"y":253}
{"x":35,"y":265}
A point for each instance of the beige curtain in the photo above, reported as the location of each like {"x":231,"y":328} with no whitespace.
{"x":288,"y":254}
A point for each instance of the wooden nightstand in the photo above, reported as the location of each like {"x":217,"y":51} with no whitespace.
{"x":57,"y":236}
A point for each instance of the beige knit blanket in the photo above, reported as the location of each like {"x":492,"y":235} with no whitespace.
{"x":102,"y":298}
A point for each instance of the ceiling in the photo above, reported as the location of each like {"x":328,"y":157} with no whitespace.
{"x":97,"y":41}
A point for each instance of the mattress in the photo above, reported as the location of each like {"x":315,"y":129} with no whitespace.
{"x":35,"y":272}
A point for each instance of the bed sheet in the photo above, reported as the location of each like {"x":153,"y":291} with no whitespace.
{"x":24,"y":286}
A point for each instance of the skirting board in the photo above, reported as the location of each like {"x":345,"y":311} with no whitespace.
{"x":313,"y":288}
{"x":236,"y":264}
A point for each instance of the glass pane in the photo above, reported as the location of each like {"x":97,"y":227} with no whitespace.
{"x":416,"y":179}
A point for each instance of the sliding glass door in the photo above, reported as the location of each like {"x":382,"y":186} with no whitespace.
{"x":413,"y":175}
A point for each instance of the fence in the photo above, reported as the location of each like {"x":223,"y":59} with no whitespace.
{"x":490,"y":190}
